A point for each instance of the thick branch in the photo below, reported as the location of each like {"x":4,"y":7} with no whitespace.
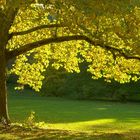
{"x":30,"y":46}
{"x":35,"y":29}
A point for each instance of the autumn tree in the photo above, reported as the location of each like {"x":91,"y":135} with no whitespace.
{"x":64,"y":33}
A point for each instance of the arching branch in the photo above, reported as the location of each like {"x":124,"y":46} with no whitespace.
{"x":35,"y":29}
{"x":30,"y":46}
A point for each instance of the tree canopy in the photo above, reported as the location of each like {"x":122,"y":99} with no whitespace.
{"x":103,"y":33}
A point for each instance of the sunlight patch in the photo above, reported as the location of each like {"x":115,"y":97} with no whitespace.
{"x":81,"y":125}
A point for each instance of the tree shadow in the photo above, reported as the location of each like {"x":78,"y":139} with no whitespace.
{"x":68,"y":111}
{"x":92,"y":115}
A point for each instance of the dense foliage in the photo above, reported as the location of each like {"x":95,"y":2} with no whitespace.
{"x":60,"y":83}
{"x":112,"y":50}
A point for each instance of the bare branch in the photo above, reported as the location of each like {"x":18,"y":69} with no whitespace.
{"x":35,"y":29}
{"x":30,"y":46}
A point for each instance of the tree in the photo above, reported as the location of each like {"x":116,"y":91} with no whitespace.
{"x":104,"y":34}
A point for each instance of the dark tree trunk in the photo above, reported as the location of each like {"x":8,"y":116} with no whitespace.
{"x":4,"y":116}
{"x":6,"y":21}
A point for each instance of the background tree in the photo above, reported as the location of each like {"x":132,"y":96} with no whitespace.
{"x":105,"y":34}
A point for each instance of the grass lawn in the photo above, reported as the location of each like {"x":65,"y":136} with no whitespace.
{"x":72,"y":119}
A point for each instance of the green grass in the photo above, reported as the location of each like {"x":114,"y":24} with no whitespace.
{"x":78,"y":115}
{"x":71,"y":119}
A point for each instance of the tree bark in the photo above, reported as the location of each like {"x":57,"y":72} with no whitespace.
{"x":4,"y":116}
{"x":6,"y":20}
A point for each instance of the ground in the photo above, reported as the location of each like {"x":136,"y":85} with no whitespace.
{"x":18,"y":133}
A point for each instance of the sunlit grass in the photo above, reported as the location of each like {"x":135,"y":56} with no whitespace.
{"x":75,"y":115}
{"x":84,"y":119}
{"x":8,"y":137}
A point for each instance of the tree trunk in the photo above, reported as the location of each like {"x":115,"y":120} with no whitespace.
{"x":4,"y":33}
{"x":7,"y":17}
{"x":4,"y":117}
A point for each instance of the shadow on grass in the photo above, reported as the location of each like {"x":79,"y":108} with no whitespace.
{"x":56,"y":110}
{"x":74,"y":115}
{"x":18,"y":133}
{"x":59,"y":110}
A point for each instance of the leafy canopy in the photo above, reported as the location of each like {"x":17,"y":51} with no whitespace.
{"x":113,"y":26}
